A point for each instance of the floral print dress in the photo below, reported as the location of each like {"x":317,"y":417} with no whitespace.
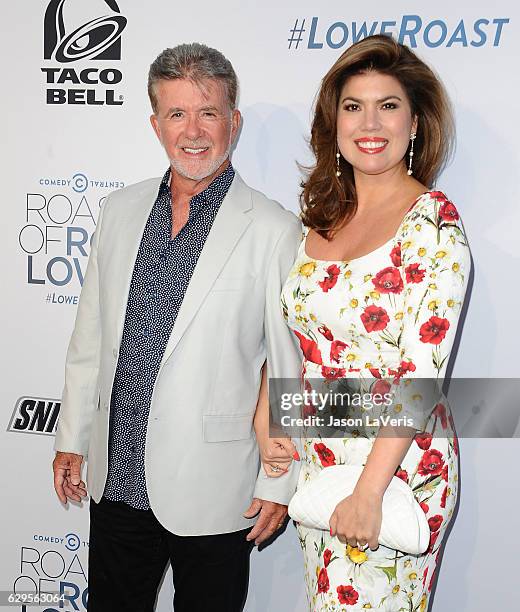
{"x":390,"y":313}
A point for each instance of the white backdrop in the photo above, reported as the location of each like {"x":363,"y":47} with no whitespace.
{"x":59,"y":160}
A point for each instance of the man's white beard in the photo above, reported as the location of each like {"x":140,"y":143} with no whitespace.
{"x":204,"y":170}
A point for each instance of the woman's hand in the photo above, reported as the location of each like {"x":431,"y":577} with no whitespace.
{"x":276,"y":455}
{"x":356,"y":520}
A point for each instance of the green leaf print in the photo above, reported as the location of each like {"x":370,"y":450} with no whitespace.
{"x":390,"y":571}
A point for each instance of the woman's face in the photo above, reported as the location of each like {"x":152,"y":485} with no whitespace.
{"x":374,"y":123}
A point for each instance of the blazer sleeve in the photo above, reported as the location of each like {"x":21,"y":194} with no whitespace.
{"x":80,"y":396}
{"x":283,"y":354}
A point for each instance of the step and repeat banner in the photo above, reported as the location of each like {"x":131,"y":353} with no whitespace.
{"x":75,"y":127}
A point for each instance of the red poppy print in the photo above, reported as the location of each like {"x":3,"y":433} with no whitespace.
{"x":323,"y":581}
{"x":433,"y":538}
{"x":444,"y":473}
{"x":336,"y":348}
{"x":414,"y":274}
{"x":325,"y":455}
{"x":439,"y":196}
{"x":388,"y":280}
{"x":379,"y":389}
{"x":424,"y":440}
{"x":374,"y":318}
{"x":329,"y":281}
{"x":325,"y":332}
{"x":347,"y":594}
{"x":332,"y":373}
{"x":327,"y":555}
{"x":310,"y":349}
{"x":440,"y":412}
{"x":395,"y":255}
{"x":424,"y":507}
{"x":444,"y":496}
{"x":434,"y":330}
{"x":404,"y":368}
{"x":435,"y":522}
{"x":455,"y":444}
{"x":448,"y":212}
{"x":403,"y":475}
{"x":431,"y":463}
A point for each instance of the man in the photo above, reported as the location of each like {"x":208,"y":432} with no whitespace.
{"x":178,"y":313}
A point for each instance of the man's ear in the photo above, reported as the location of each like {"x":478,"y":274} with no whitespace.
{"x":155,"y":125}
{"x":236,"y":119}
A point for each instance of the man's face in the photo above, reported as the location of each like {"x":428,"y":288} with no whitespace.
{"x":195,"y":125}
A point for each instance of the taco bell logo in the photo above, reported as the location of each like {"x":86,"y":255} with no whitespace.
{"x":82,"y":33}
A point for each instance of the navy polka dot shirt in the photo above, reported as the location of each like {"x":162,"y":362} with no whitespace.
{"x":162,"y":271}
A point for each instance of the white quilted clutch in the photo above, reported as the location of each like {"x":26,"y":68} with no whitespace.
{"x":404,"y":526}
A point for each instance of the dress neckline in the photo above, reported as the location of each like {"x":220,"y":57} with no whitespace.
{"x":379,"y":248}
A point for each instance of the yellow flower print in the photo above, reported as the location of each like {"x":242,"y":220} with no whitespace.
{"x":367,"y":277}
{"x":307,"y":269}
{"x":421,"y":252}
{"x":375,"y":295}
{"x":440,"y":254}
{"x":355,"y":555}
{"x":455,"y":267}
{"x":298,"y":307}
{"x":354,"y":303}
{"x":424,"y":601}
{"x":350,"y":357}
{"x":398,"y":316}
{"x":451,"y":303}
{"x":312,"y":317}
{"x":418,"y":227}
{"x":433,"y":304}
{"x":348,"y":273}
{"x":432,"y":286}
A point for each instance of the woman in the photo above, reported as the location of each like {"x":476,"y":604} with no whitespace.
{"x":376,"y":291}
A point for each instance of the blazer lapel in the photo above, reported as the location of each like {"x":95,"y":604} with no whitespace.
{"x":131,"y":231}
{"x":228,"y":226}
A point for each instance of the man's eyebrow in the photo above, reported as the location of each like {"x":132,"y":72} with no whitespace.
{"x":380,"y":101}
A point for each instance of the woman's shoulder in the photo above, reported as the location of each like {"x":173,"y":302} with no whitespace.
{"x":435,"y":202}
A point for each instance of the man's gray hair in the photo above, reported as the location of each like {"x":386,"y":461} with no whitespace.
{"x":196,"y":62}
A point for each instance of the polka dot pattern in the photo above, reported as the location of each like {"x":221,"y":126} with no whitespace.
{"x":162,"y":272}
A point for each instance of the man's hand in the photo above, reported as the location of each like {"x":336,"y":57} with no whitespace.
{"x":272,"y":517}
{"x":67,"y":477}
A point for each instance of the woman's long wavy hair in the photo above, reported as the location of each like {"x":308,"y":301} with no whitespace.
{"x":328,"y":201}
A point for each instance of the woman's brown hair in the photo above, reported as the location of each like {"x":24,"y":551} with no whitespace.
{"x":329,"y":201}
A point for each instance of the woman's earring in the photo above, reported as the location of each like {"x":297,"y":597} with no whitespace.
{"x":338,"y":171}
{"x":410,"y":156}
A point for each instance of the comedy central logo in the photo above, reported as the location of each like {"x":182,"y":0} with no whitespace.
{"x":73,"y":34}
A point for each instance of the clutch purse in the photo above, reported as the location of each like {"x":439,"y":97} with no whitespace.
{"x":404,"y":525}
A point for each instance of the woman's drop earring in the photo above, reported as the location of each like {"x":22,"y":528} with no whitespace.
{"x":410,"y":155}
{"x":338,"y":171}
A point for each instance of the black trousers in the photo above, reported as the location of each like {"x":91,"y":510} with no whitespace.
{"x":128,"y":553}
